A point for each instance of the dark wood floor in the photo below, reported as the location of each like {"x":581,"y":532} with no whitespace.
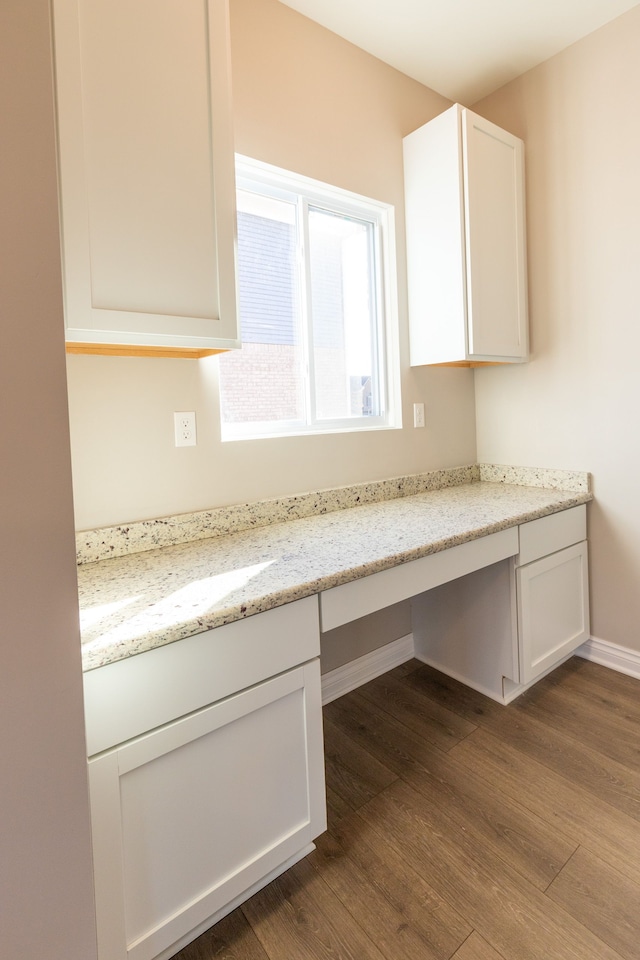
{"x":462,"y":829}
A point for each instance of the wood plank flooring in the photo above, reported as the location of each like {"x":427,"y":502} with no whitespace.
{"x":460,"y":829}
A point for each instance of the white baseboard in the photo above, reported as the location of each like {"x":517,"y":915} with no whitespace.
{"x":611,"y":655}
{"x":351,"y":675}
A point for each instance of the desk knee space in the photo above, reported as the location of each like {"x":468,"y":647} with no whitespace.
{"x":495,"y":613}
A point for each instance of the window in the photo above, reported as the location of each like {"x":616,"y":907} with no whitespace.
{"x":317,"y":310}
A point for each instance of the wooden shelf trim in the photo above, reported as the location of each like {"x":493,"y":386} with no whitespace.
{"x":134,"y":350}
{"x":470,"y":363}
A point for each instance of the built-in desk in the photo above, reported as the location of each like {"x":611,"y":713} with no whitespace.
{"x":496,"y":613}
{"x":202,"y":690}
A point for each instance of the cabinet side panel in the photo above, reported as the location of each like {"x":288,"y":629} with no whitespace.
{"x":466,"y":629}
{"x":108,"y":873}
{"x":495,"y":241}
{"x":435,"y":248}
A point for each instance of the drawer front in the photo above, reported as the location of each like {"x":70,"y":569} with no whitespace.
{"x":538,"y":538}
{"x":133,"y":696}
{"x":350,"y":601}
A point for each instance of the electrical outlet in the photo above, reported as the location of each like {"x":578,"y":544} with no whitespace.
{"x":185,"y":429}
{"x":418,"y":414}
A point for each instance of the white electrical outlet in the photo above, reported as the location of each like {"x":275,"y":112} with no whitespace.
{"x":185,"y":429}
{"x":418,"y":414}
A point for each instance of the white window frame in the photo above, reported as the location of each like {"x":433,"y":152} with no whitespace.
{"x":252,"y":175}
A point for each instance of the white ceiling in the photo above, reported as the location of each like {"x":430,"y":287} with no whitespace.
{"x":463,"y":49}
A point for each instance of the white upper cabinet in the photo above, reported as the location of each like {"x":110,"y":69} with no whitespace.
{"x":146,"y":173}
{"x":466,"y":260}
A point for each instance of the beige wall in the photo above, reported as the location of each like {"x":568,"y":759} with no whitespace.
{"x":306,"y":100}
{"x":46,"y":888}
{"x":577,"y":404}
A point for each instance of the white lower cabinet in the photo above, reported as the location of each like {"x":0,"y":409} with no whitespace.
{"x":193,"y":816}
{"x":553,"y":609}
{"x":500,"y":628}
{"x":207,"y":771}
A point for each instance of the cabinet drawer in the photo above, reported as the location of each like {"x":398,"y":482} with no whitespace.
{"x":349,"y":601}
{"x":538,"y":538}
{"x":130,"y":697}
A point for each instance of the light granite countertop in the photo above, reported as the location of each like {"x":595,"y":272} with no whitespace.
{"x":134,"y":603}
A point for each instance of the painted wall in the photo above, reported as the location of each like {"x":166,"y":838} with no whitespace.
{"x":305,"y":100}
{"x":576,"y":405}
{"x":46,"y":885}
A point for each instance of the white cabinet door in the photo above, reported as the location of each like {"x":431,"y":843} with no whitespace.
{"x":553,"y":609}
{"x":466,"y":264}
{"x":495,"y":241}
{"x":190,"y":816}
{"x":146,"y":172}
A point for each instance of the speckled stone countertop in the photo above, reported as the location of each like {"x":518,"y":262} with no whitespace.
{"x":130,"y":604}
